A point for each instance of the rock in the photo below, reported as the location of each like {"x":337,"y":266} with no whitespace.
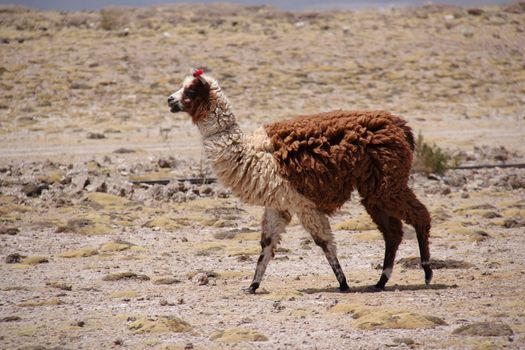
{"x":123,"y":189}
{"x":166,"y":280}
{"x":237,"y":335}
{"x":80,"y":85}
{"x":475,"y":11}
{"x":13,"y":258}
{"x":480,"y":236}
{"x":406,"y":341}
{"x":446,"y":191}
{"x":454,"y":179}
{"x":243,"y":258}
{"x":34,"y":260}
{"x":484,"y":329}
{"x":491,"y":215}
{"x":80,"y":181}
{"x":169,"y":162}
{"x":513,"y":181}
{"x":123,"y":150}
{"x":10,"y":319}
{"x":201,"y":279}
{"x":306,"y":243}
{"x":98,"y":185}
{"x":162,"y":324}
{"x":34,"y":190}
{"x":124,"y":275}
{"x":95,"y":136}
{"x":78,"y":323}
{"x":9,"y":231}
{"x":512,"y":223}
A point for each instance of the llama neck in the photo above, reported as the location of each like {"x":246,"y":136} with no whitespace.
{"x":226,"y":148}
{"x":219,"y":120}
{"x":222,"y":138}
{"x":221,"y":135}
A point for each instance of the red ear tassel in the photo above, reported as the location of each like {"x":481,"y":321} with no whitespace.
{"x":198,"y":73}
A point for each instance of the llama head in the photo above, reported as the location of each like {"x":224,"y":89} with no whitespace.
{"x":200,"y":96}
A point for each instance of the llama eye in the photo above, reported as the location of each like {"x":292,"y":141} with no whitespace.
{"x":191,"y":93}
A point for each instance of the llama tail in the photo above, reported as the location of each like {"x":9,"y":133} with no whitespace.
{"x":409,"y":135}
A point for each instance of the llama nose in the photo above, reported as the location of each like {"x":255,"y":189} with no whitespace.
{"x":170,"y":99}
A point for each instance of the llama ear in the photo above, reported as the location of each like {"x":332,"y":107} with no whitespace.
{"x":197,"y":73}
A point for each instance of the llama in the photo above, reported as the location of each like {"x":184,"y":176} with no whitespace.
{"x":309,"y":166}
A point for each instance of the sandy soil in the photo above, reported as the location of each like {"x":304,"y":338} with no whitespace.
{"x":91,"y":260}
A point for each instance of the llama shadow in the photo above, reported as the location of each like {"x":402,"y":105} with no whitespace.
{"x":372,"y":289}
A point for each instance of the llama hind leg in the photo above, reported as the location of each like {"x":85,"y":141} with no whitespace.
{"x":392,"y":231}
{"x":408,"y":208}
{"x":317,"y":224}
{"x":418,"y":216}
{"x":273,"y":225}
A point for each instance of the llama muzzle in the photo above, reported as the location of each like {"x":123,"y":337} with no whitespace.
{"x":174,"y":105}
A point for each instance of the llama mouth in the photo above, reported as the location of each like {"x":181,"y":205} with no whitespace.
{"x":174,"y":108}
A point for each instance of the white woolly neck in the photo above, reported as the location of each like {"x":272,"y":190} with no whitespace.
{"x":220,"y":120}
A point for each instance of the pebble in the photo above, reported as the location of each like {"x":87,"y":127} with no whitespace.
{"x":95,"y":136}
{"x":10,"y":319}
{"x":34,"y":190}
{"x":14,"y":258}
{"x":11,"y":231}
{"x":485,"y":329}
{"x":98,"y":185}
{"x":406,"y":341}
{"x":201,"y":279}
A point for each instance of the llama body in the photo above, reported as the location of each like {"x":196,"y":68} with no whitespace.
{"x":309,"y":167}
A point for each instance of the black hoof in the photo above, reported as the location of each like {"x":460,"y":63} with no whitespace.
{"x":344,"y":288}
{"x":251,"y":289}
{"x":428,"y":276}
{"x":377,"y":288}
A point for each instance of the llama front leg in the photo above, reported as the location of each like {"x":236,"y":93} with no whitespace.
{"x":273,"y":225}
{"x":317,"y":224}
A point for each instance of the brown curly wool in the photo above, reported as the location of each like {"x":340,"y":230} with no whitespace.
{"x":327,"y":155}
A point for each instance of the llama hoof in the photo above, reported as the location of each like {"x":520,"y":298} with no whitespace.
{"x":376,"y":289}
{"x":344,"y":288}
{"x":251,"y":289}
{"x":428,"y":276}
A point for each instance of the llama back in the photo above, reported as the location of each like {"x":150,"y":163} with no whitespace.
{"x":324,"y":155}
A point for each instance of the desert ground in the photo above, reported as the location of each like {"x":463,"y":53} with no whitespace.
{"x":95,"y":255}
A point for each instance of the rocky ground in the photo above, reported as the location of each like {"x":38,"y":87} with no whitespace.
{"x":96,"y":255}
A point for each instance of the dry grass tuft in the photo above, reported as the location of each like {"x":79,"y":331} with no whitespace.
{"x":429,"y":159}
